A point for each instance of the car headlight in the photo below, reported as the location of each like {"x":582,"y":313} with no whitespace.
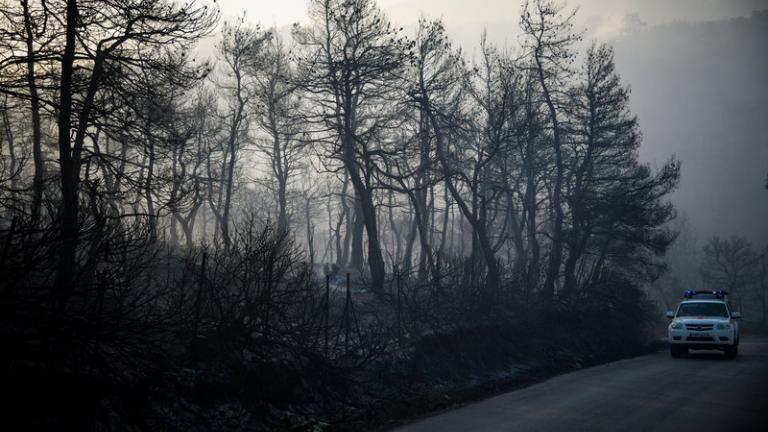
{"x":676,"y":326}
{"x":724,"y":326}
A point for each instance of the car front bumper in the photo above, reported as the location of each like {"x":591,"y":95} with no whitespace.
{"x":702,"y":339}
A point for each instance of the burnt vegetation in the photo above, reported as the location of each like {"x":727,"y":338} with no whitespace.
{"x":309,"y":229}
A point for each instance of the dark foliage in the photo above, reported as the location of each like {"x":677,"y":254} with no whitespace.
{"x":508,"y":224}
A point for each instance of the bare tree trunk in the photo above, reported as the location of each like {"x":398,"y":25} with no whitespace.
{"x":230,"y":173}
{"x":69,"y":225}
{"x":310,"y":232}
{"x":409,"y":240}
{"x":333,"y":235}
{"x":188,"y":225}
{"x":174,"y":230}
{"x":204,"y":227}
{"x":215,"y":207}
{"x":69,"y":154}
{"x":493,"y":279}
{"x":597,"y":270}
{"x":282,"y":178}
{"x":366,"y":212}
{"x":556,"y":252}
{"x":395,"y":229}
{"x":517,"y":238}
{"x":420,"y":220}
{"x":342,"y":248}
{"x":152,"y":218}
{"x":420,"y":198}
{"x":11,"y":150}
{"x":533,"y":241}
{"x":358,"y":226}
{"x":425,"y":257}
{"x":37,"y":182}
{"x":448,"y":214}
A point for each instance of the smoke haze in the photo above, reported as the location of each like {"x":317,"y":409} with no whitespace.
{"x":697,"y":71}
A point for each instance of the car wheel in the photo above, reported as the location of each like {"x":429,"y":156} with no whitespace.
{"x":731,"y":351}
{"x":677,"y":351}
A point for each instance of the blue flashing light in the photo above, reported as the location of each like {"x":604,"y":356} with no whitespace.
{"x":718,"y":294}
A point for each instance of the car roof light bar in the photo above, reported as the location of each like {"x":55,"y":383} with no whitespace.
{"x":718,"y":294}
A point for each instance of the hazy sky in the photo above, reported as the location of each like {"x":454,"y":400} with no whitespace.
{"x":485,"y":12}
{"x":698,"y":82}
{"x":466,"y":19}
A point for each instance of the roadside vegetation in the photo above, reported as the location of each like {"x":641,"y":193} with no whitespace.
{"x":343,"y":226}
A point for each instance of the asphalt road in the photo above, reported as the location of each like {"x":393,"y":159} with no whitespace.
{"x":701,"y":392}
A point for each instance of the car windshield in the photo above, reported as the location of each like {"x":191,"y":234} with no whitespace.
{"x":702,"y":309}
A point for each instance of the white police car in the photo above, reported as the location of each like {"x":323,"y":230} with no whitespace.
{"x":704,"y":320}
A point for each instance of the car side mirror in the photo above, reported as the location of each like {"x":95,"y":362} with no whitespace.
{"x":670,"y":314}
{"x":736,"y":315}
